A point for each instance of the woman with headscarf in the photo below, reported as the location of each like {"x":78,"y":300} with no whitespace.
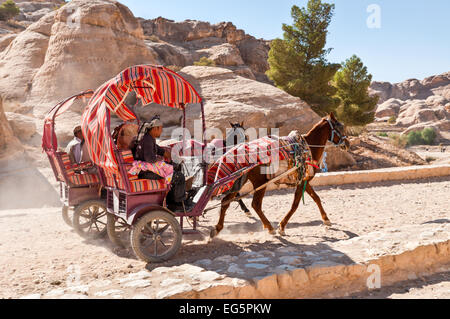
{"x":149,"y":163}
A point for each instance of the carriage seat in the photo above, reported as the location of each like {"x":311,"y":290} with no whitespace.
{"x":73,"y":172}
{"x":137,"y":185}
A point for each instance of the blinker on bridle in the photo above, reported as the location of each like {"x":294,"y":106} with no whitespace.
{"x":336,"y":132}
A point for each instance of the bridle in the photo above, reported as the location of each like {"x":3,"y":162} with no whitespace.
{"x":334,"y":132}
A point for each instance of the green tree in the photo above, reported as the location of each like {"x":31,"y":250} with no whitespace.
{"x":352,"y":83}
{"x":8,"y":10}
{"x":298,"y":62}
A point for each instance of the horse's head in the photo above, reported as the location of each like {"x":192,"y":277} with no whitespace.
{"x":337,"y":132}
{"x":236,"y":135}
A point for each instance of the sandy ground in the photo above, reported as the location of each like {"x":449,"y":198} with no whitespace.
{"x":39,"y":252}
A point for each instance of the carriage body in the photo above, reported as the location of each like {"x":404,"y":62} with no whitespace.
{"x":79,"y":184}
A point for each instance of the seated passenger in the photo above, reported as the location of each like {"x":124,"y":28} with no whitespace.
{"x":76,"y":148}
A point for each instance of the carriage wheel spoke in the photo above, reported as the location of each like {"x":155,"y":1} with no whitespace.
{"x":163,"y":243}
{"x":156,"y":248}
{"x":150,"y":229}
{"x":164,"y":229}
{"x":101,"y":215}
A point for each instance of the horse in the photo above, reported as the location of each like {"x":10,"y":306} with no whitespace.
{"x":234,"y":137}
{"x":328,"y":129}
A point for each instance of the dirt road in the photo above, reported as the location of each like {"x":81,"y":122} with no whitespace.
{"x":39,"y":253}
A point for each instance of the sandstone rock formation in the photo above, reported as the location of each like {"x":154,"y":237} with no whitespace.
{"x":239,"y":99}
{"x":32,"y":10}
{"x":8,"y":142}
{"x":51,"y":59}
{"x":21,"y":184}
{"x":222,"y":42}
{"x":416,"y":104}
{"x":24,"y":127}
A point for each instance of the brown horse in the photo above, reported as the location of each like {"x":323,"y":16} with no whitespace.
{"x":328,"y":129}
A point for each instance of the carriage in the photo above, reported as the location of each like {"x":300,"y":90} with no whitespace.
{"x":79,"y":184}
{"x":138,"y":208}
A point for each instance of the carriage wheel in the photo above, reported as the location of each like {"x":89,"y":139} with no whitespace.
{"x":67,"y":215}
{"x":156,"y":237}
{"x":118,"y":231}
{"x":89,"y":219}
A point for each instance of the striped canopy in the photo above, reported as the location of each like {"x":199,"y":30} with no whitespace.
{"x":49,"y":140}
{"x":152,"y":84}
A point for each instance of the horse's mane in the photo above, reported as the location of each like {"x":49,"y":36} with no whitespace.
{"x":316,"y":126}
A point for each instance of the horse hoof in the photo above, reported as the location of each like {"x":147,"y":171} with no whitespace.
{"x":281,"y":232}
{"x":327,"y":223}
{"x":272,"y":232}
{"x":213,"y":233}
{"x":248,"y":214}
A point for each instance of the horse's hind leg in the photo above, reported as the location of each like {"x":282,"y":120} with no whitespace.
{"x":316,"y":198}
{"x":243,"y":207}
{"x":223,"y":210}
{"x":297,"y":198}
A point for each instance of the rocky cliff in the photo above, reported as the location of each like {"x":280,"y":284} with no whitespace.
{"x":415,"y":104}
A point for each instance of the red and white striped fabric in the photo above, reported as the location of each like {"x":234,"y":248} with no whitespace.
{"x":151,"y":84}
{"x":49,"y":141}
{"x":263,"y":151}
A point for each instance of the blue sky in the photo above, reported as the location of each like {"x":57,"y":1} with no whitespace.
{"x":413,"y":40}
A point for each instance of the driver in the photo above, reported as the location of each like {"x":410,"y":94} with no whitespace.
{"x":149,"y":166}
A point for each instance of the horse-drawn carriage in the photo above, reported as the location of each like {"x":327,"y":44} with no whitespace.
{"x":79,"y":184}
{"x":137,"y":209}
{"x":139,"y":206}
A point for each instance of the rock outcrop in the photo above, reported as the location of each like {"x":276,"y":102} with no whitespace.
{"x":239,"y":99}
{"x":222,"y":43}
{"x":24,"y":127}
{"x":416,"y":104}
{"x":8,"y":142}
{"x":74,"y":48}
{"x":32,"y":10}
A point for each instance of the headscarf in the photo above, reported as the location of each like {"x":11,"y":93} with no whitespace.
{"x":146,"y":126}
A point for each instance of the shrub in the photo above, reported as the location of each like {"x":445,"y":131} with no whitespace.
{"x":392,"y":120}
{"x":355,"y":130}
{"x":425,"y":137}
{"x":204,"y":61}
{"x":430,"y":159}
{"x":429,"y":136}
{"x":8,"y":10}
{"x":415,"y":138}
{"x":383,"y":134}
{"x":399,"y":140}
{"x":153,"y":38}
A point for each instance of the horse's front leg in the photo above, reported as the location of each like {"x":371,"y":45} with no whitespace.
{"x":317,"y":200}
{"x":297,"y":198}
{"x":226,"y":202}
